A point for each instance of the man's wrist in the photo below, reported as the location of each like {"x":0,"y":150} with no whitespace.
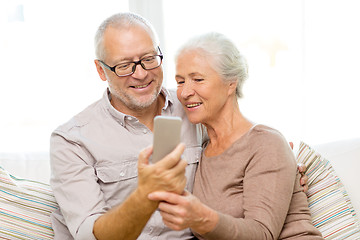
{"x":141,"y":196}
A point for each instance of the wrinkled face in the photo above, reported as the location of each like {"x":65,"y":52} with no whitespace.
{"x":200,"y":89}
{"x":141,"y":89}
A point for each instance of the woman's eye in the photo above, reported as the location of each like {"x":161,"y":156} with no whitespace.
{"x":180,"y":82}
{"x":198,"y":79}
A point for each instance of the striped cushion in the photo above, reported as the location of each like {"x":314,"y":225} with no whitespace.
{"x":330,"y":206}
{"x":25,"y":208}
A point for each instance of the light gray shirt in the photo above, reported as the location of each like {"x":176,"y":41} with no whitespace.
{"x":94,"y":166}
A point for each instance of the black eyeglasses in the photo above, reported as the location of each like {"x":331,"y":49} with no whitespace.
{"x":128,"y":68}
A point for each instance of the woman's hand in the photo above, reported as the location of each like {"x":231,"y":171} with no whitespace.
{"x":185,"y":211}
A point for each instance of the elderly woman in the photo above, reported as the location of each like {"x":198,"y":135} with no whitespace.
{"x":247,"y":184}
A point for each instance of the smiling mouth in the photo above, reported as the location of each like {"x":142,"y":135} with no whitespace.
{"x":141,"y":86}
{"x":193,"y":105}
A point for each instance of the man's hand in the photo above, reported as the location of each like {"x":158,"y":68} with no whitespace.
{"x":304,"y":177}
{"x":302,"y":170}
{"x":167,"y":174}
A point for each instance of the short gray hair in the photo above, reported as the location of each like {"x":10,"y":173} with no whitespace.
{"x":122,"y":20}
{"x":227,"y":60}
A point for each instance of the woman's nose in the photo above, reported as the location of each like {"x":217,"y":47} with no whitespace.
{"x":187,"y":90}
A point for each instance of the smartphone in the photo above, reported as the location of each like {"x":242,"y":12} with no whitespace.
{"x":167,"y":134}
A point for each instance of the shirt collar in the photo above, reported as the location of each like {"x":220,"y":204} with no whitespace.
{"x":169,"y":98}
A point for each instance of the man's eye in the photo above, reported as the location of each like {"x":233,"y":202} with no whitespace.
{"x":123,"y":66}
{"x":148,"y":59}
{"x":198,"y":79}
{"x":180,"y":82}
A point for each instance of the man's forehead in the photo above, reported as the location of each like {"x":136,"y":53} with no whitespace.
{"x":128,"y":43}
{"x":135,"y":55}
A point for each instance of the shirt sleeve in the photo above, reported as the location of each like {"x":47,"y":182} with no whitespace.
{"x":268,"y":187}
{"x":75,"y":186}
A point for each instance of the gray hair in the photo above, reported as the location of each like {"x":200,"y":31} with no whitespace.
{"x":226,"y":58}
{"x":122,"y":20}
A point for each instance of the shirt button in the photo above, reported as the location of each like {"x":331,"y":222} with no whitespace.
{"x":122,"y":174}
{"x":145,"y":131}
{"x":129,"y":118}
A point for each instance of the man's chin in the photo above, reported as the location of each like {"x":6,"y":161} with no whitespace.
{"x":143,"y":102}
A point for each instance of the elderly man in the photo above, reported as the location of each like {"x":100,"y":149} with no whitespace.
{"x":97,"y":180}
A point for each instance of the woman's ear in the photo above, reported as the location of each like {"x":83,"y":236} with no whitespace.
{"x":100,"y":70}
{"x":232,"y":87}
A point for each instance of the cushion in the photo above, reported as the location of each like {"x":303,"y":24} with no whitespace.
{"x":345,"y":159}
{"x":330,"y":206}
{"x":25,"y":208}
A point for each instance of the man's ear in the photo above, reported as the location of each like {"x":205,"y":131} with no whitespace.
{"x":100,"y":70}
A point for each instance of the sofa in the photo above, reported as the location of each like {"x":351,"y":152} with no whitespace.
{"x":26,"y":200}
{"x":345,"y":158}
{"x":333,"y":195}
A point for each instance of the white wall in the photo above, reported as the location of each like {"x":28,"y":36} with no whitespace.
{"x":46,"y":65}
{"x":303,"y":56}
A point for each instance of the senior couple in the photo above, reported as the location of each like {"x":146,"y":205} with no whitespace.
{"x":230,"y":178}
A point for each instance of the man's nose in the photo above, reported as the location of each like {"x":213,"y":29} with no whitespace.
{"x":139,"y":72}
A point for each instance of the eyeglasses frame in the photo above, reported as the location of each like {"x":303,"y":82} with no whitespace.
{"x":134,"y":67}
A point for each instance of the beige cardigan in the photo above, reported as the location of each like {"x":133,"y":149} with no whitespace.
{"x":254,"y":185}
